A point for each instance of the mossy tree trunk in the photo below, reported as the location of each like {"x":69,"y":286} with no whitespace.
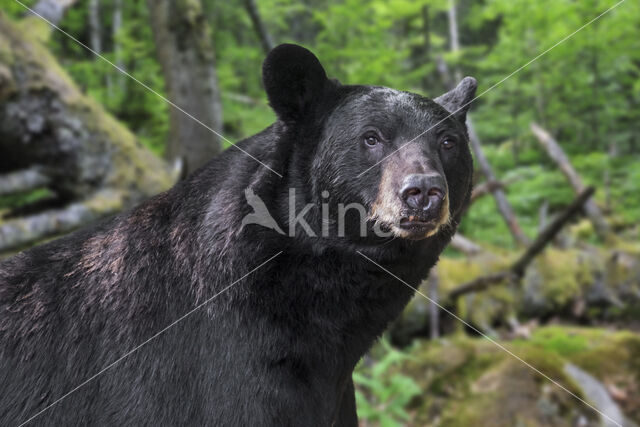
{"x":185,"y":51}
{"x":54,"y":137}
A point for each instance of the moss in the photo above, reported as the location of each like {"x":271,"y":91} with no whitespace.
{"x":455,"y":271}
{"x":470,"y":381}
{"x":583,"y":230}
{"x":134,"y":170}
{"x":21,"y":44}
{"x":564,"y":273}
{"x":561,"y":340}
{"x":105,"y":201}
{"x":133,"y":166}
{"x":508,"y":394}
{"x":37,"y":29}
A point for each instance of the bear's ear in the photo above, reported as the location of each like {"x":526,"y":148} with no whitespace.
{"x":458,"y":100}
{"x":294,"y":81}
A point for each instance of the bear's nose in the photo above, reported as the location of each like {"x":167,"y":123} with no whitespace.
{"x":423,"y":191}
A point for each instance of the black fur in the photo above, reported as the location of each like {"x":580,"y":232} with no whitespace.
{"x":276,"y":348}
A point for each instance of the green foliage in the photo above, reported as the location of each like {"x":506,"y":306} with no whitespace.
{"x":15,"y":201}
{"x":470,"y":381}
{"x":585,"y":90}
{"x":382,"y":396}
{"x":133,"y":48}
{"x":15,"y":9}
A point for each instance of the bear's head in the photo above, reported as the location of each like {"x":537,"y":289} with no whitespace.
{"x":403,"y":158}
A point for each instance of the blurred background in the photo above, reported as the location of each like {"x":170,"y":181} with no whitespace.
{"x":540,"y":265}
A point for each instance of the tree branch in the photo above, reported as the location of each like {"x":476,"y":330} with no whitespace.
{"x":464,"y":245}
{"x":557,"y":154}
{"x":518,"y":268}
{"x":485,"y":188}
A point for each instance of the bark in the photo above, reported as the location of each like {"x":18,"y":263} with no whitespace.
{"x":517,"y":269}
{"x":22,"y":181}
{"x":543,"y":213}
{"x":258,"y":24}
{"x":434,"y":310}
{"x":185,"y":51}
{"x":464,"y":245}
{"x":95,"y":40}
{"x":53,"y":135}
{"x":454,"y":38}
{"x":480,"y":284}
{"x":243,"y":99}
{"x":557,"y":154}
{"x":485,"y":188}
{"x":443,"y":71}
{"x":504,"y":207}
{"x":116,"y":26}
{"x":17,"y":233}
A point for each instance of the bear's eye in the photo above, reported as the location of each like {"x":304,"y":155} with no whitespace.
{"x":448,"y":143}
{"x":371,"y":139}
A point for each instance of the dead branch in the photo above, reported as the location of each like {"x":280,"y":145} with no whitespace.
{"x":517,"y":269}
{"x":557,"y":154}
{"x":479,"y":284}
{"x":243,"y":99}
{"x":485,"y":188}
{"x":464,"y":245}
{"x":504,"y":207}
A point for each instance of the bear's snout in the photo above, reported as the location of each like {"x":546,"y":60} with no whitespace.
{"x":423,"y":193}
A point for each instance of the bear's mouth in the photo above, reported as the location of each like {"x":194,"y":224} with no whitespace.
{"x":416,"y":228}
{"x":414,"y":223}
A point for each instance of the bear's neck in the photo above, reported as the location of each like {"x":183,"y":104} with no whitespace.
{"x":334,"y":305}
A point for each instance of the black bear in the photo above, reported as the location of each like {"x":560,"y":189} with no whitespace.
{"x":193,"y":309}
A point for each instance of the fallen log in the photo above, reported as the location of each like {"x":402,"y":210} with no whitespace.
{"x":22,"y":181}
{"x":517,"y":269}
{"x":53,"y":136}
{"x":19,"y":232}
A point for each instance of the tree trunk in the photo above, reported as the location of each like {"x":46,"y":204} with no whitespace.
{"x":454,"y":38}
{"x":116,"y":26}
{"x":95,"y":40}
{"x":53,"y":136}
{"x":557,"y":154}
{"x":185,"y":51}
{"x":261,"y":31}
{"x":504,"y":207}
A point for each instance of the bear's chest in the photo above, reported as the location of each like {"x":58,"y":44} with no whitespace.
{"x":327,"y":306}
